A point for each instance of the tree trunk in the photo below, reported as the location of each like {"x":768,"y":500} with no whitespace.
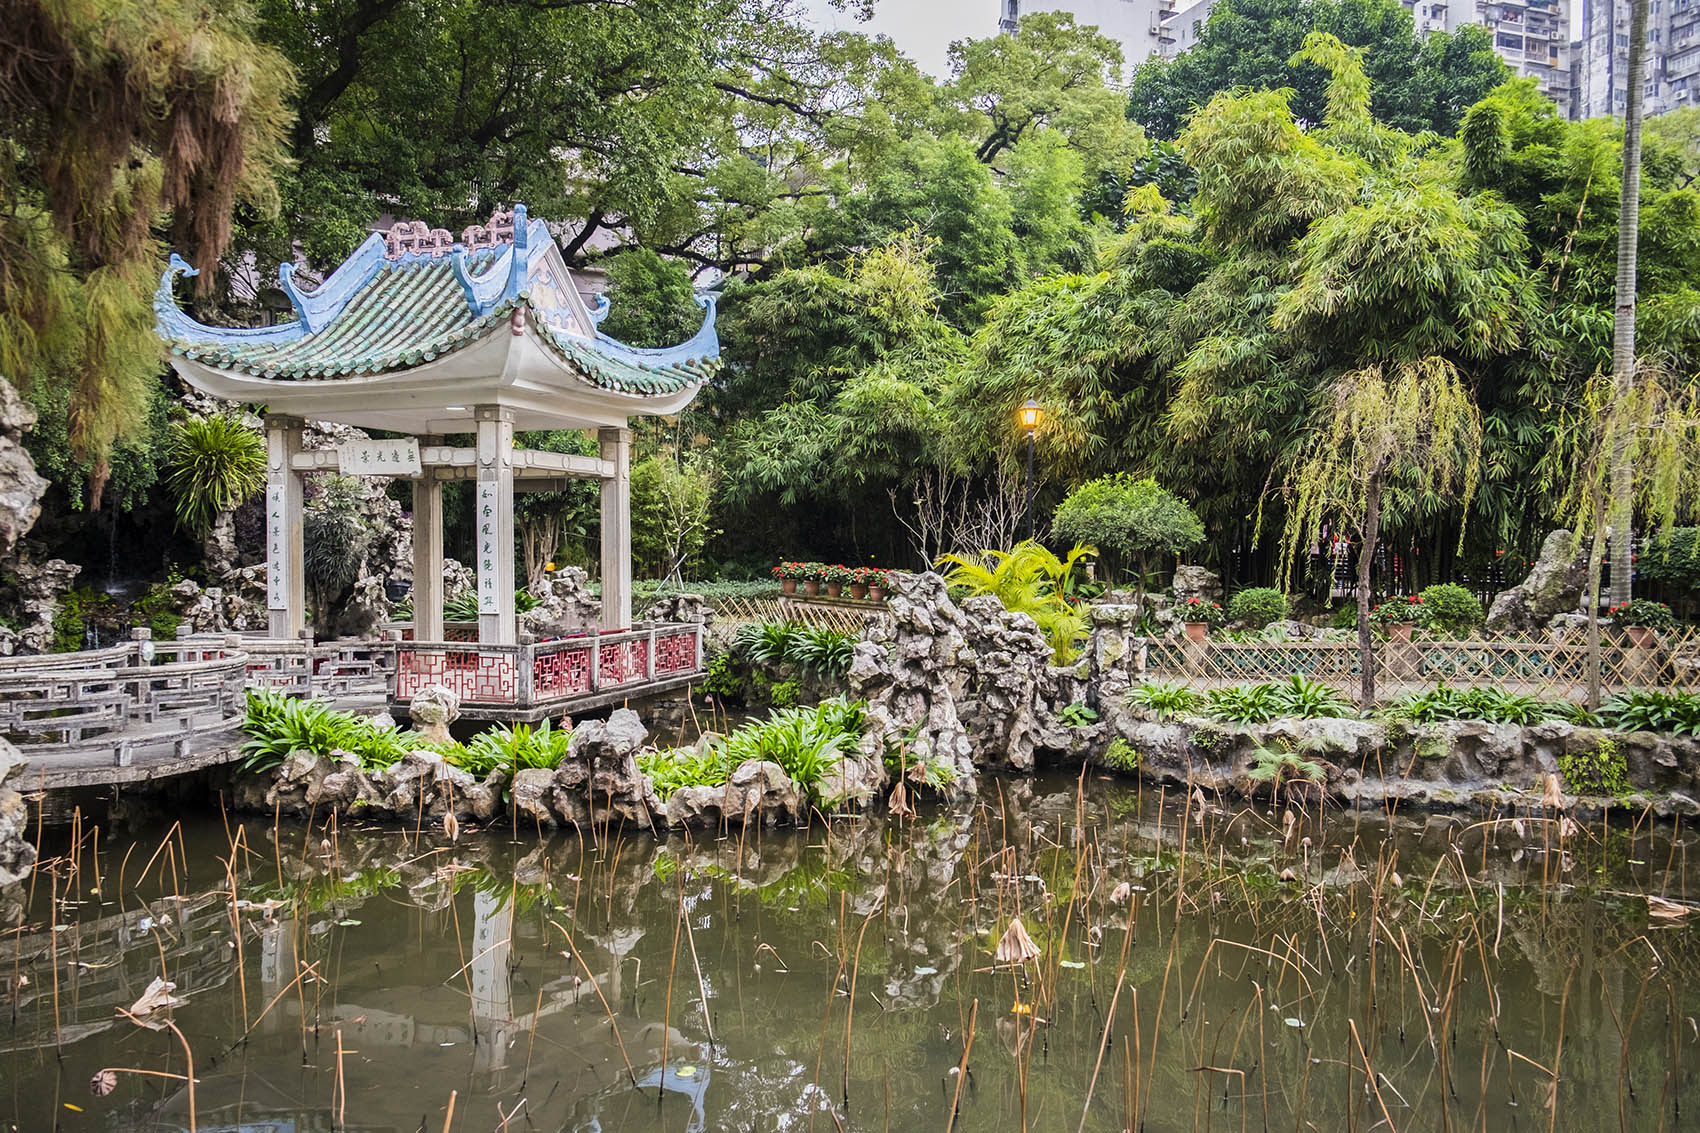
{"x":1366,"y":550}
{"x":1621,"y":515}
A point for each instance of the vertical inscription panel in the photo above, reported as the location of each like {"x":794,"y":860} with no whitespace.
{"x":277,"y":548}
{"x":489,"y":506}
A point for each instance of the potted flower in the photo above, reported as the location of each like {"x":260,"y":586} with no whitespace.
{"x":788,"y":575}
{"x":1201,"y":617}
{"x":858,"y":585}
{"x":879,"y":581}
{"x":813,"y":574}
{"x":837,"y":578}
{"x":1399,"y":615}
{"x":1641,"y":620}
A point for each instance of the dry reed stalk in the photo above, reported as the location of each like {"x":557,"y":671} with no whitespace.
{"x":962,"y":1067}
{"x":672,"y":966}
{"x":597,"y":988}
{"x":449,"y":1118}
{"x":850,"y":1004}
{"x":1103,"y":1041}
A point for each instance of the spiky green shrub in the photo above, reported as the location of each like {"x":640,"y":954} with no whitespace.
{"x":806,"y":742}
{"x":1260,"y":703}
{"x":214,"y":464}
{"x":514,"y":748}
{"x":826,"y":652}
{"x":1027,"y":579}
{"x":277,"y":725}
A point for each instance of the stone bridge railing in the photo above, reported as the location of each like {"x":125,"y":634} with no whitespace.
{"x":113,"y":706}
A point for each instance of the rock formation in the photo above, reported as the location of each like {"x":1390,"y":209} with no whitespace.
{"x":1554,"y":586}
{"x":565,"y":605}
{"x":21,"y":487}
{"x":17,"y":855}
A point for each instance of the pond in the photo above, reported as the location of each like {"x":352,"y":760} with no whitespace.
{"x":1267,"y":967}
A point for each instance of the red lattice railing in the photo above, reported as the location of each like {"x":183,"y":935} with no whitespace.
{"x":526,"y":676}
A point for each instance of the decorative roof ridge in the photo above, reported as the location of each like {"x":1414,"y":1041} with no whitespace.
{"x":172,"y":323}
{"x":705,"y":343}
{"x":510,"y":273}
{"x":600,"y":311}
{"x":316,"y":308}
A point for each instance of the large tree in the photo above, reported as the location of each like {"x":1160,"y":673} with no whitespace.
{"x":1419,"y":83}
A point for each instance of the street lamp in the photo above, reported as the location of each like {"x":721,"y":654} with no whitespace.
{"x":1029,"y":415}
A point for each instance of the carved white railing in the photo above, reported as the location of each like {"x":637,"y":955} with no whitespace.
{"x":111,"y":705}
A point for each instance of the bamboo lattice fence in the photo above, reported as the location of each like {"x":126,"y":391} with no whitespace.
{"x":1538,"y":665}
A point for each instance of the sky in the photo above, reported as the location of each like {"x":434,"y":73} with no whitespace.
{"x":922,"y":29}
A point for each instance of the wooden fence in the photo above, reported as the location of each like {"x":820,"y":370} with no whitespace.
{"x":847,"y":617}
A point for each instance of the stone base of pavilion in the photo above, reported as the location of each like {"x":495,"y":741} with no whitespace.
{"x":529,"y":682}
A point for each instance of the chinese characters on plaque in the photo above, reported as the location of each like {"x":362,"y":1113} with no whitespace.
{"x":489,"y":501}
{"x":277,"y":561}
{"x":379,"y":458}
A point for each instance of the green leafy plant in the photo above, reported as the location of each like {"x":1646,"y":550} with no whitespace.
{"x":1077,"y":715}
{"x":1450,"y":610}
{"x":214,"y":465}
{"x":1027,"y":579}
{"x":1260,"y":703}
{"x":1202,"y":610}
{"x":1258,"y":606}
{"x":1165,"y":699}
{"x":818,"y":649}
{"x":1398,"y":610}
{"x":806,"y":742}
{"x":784,"y":694}
{"x":1653,"y":711}
{"x":1122,"y":756}
{"x":1494,"y":706}
{"x":723,"y":681}
{"x":1602,"y":771}
{"x":514,"y":748}
{"x":278,"y":725}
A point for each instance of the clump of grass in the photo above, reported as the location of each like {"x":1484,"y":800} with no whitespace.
{"x":806,"y":742}
{"x":1298,"y":697}
{"x":1165,"y":699}
{"x":1492,"y":705}
{"x":278,"y":725}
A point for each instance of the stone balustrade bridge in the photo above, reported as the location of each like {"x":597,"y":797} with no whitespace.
{"x":147,"y":709}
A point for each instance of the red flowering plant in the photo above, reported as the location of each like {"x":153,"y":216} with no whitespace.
{"x":793,"y":572}
{"x":1642,"y":612}
{"x":1199,"y":610}
{"x":1398,"y":610}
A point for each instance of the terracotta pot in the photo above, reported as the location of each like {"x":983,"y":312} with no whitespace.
{"x":811,"y":586}
{"x":1197,"y":631}
{"x":788,"y":586}
{"x":1400,"y":631}
{"x":834,"y":589}
{"x":858,"y":590}
{"x":876,"y":593}
{"x":1642,"y":637}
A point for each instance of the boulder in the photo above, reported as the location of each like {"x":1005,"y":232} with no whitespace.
{"x":530,"y":797}
{"x":1196,"y":582}
{"x":41,"y":585}
{"x":17,"y":855}
{"x":1554,"y":586}
{"x":565,"y":606}
{"x":758,"y":790}
{"x":432,"y":709}
{"x":608,"y":750}
{"x":12,"y":761}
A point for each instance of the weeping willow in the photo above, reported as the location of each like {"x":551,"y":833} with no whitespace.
{"x":122,"y":120}
{"x":1388,"y":434}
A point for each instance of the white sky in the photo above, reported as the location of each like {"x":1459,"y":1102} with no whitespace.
{"x":922,"y":29}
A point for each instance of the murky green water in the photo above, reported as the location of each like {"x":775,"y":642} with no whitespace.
{"x":366,"y":976}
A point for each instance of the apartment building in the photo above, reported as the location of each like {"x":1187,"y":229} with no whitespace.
{"x":1137,"y":25}
{"x":1601,"y":57}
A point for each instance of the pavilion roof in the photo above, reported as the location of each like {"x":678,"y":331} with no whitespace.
{"x":414,"y":296}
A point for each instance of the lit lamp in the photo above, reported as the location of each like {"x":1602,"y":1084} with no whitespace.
{"x":1029,"y":414}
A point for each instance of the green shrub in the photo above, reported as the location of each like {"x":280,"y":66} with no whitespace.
{"x":278,"y":724}
{"x":1346,"y":617}
{"x":1450,"y":610}
{"x":1258,"y":606}
{"x":1243,"y":704}
{"x":1643,"y":613}
{"x":825,"y":652}
{"x":783,"y":694}
{"x":1603,"y":771}
{"x":1122,"y":756}
{"x":1165,"y":699}
{"x":1136,"y":520}
{"x":513,"y":748}
{"x":723,"y":681}
{"x":214,"y":464}
{"x":1653,"y":711}
{"x":155,"y":609}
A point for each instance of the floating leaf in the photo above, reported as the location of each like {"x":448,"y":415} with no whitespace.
{"x":686,"y":1072}
{"x":1292,"y":1022}
{"x":1072,"y":963}
{"x":103,"y":1082}
{"x":347,"y":922}
{"x":157,"y":997}
{"x":1016,"y":947}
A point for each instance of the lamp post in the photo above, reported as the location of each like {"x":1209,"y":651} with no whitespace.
{"x":1029,"y":414}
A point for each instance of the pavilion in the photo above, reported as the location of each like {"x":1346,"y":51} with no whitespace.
{"x":422,"y":335}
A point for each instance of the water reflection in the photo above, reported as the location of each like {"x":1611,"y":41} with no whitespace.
{"x":1426,"y":973}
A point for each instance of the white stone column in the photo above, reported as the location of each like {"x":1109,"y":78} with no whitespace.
{"x":428,"y":554}
{"x":617,"y":529}
{"x":492,"y":989}
{"x":493,"y":525}
{"x":286,"y":593}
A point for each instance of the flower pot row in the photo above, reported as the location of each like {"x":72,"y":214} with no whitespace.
{"x":810,"y":579}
